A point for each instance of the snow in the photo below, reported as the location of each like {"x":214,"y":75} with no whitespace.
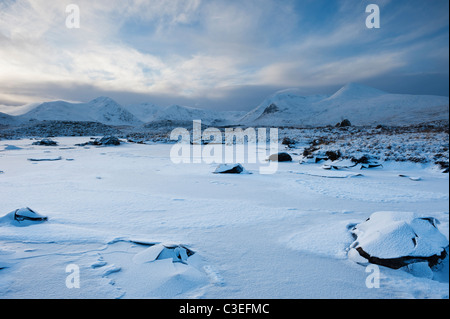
{"x":360,"y":104}
{"x":103,"y":110}
{"x":284,"y":235}
{"x":389,"y":234}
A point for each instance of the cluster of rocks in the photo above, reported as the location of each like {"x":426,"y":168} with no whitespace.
{"x":46,"y":142}
{"x":104,"y":141}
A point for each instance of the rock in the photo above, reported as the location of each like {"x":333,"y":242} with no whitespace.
{"x":45,"y":159}
{"x":443,"y":165}
{"x":178,"y":254}
{"x":344,"y":123}
{"x":280,"y":157}
{"x":333,"y":156}
{"x":104,"y":141}
{"x":367,"y":166}
{"x":107,"y":140}
{"x":287,"y":141}
{"x":46,"y":142}
{"x":230,"y":169}
{"x":362,"y":160}
{"x":23,"y":217}
{"x":398,"y":239}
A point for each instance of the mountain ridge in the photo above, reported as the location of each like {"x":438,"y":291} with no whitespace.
{"x":362,"y":105}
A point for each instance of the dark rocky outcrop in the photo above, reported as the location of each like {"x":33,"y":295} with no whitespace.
{"x":46,"y":142}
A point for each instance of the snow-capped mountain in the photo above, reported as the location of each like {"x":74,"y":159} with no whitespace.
{"x":148,"y":113}
{"x":179,"y":113}
{"x":362,"y":105}
{"x":103,"y":110}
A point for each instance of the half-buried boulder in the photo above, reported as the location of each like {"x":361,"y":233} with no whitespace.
{"x":280,"y":157}
{"x":108,"y":140}
{"x":46,"y":142}
{"x":23,"y":217}
{"x":230,"y":169}
{"x":398,"y":239}
{"x":104,"y":141}
{"x":178,"y":254}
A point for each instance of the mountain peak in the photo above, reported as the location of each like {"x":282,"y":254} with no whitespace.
{"x":103,"y":100}
{"x":356,"y":91}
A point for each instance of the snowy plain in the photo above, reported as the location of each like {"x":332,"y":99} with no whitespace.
{"x":253,"y":236}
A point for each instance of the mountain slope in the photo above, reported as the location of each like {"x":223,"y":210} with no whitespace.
{"x":145,"y":112}
{"x":360,"y":104}
{"x":6,"y":119}
{"x":103,"y":110}
{"x":180,"y":114}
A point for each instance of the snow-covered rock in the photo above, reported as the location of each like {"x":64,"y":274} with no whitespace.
{"x":23,"y":217}
{"x":397,"y":239}
{"x":46,"y":142}
{"x":230,"y":169}
{"x":178,"y":253}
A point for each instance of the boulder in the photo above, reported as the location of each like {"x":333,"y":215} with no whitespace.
{"x":23,"y":217}
{"x":398,"y":239}
{"x":107,"y":140}
{"x":230,"y":169}
{"x":178,"y":254}
{"x":280,"y":157}
{"x":104,"y":141}
{"x":288,"y":142}
{"x":46,"y":142}
{"x":344,"y":123}
{"x":333,"y":155}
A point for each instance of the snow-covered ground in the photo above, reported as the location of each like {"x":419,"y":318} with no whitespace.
{"x":284,"y":235}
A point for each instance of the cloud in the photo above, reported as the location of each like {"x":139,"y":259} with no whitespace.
{"x":196,"y":50}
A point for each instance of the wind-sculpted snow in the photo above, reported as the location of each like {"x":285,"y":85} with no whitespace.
{"x":139,"y":226}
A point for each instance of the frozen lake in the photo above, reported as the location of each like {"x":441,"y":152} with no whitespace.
{"x":253,"y":236}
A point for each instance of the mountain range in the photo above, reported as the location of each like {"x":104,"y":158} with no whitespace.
{"x":362,"y":105}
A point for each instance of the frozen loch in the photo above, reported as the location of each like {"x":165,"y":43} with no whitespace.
{"x":124,"y":221}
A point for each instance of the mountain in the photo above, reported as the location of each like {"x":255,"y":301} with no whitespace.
{"x":145,"y":112}
{"x":7,"y":120}
{"x":179,"y":113}
{"x":103,"y":110}
{"x":362,"y":105}
{"x":148,"y":113}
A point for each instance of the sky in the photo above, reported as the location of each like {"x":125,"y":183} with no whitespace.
{"x":217,"y":54}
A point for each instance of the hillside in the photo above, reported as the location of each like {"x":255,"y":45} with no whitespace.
{"x":103,"y":110}
{"x":360,"y":104}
